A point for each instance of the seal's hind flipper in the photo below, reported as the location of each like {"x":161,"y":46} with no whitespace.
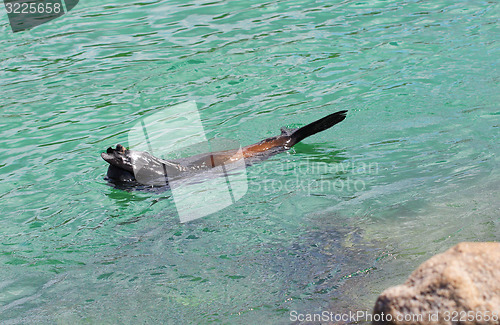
{"x":327,"y":122}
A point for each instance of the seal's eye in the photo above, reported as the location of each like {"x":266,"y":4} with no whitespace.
{"x":120,"y":148}
{"x":109,"y":150}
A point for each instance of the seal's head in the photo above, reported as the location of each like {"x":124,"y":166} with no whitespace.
{"x":120,"y":163}
{"x":118,"y":157}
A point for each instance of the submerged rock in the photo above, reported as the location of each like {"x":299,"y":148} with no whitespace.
{"x":459,"y":286}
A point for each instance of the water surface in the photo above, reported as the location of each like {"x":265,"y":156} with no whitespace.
{"x":411,"y":171}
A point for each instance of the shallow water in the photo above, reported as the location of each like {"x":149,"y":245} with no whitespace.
{"x":326,"y":226}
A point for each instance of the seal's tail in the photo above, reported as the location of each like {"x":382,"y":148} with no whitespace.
{"x":326,"y":122}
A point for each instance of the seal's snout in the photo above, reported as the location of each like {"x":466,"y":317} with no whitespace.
{"x":112,"y":155}
{"x":119,"y":149}
{"x":108,"y":156}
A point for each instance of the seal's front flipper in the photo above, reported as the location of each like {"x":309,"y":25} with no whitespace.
{"x":326,"y":122}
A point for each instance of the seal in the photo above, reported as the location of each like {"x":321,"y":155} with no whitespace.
{"x":124,"y":164}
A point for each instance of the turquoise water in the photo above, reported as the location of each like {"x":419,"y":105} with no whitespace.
{"x":415,"y":164}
